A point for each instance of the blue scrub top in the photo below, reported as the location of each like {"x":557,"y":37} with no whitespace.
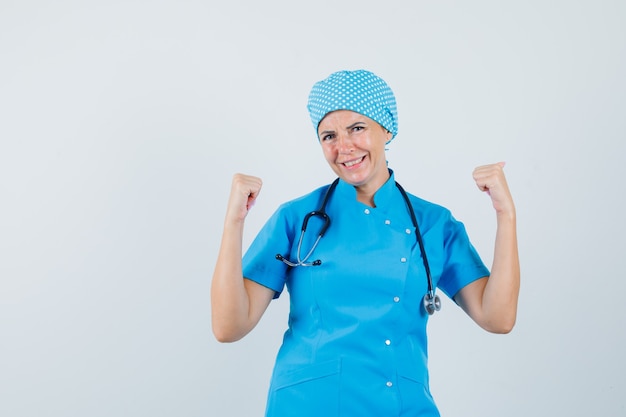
{"x":356,"y":342}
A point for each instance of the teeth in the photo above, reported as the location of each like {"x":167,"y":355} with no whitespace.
{"x":351,"y":163}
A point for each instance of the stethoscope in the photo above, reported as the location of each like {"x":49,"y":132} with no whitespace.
{"x":431,"y":301}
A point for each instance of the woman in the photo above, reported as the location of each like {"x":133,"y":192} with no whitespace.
{"x":360,"y":295}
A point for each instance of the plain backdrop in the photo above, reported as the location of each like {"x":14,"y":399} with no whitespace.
{"x":122,"y":123}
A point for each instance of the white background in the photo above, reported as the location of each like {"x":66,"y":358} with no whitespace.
{"x":122,"y":123}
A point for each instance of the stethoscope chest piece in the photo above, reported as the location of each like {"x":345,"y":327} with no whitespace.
{"x":432,"y":303}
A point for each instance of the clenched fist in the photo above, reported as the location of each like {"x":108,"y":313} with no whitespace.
{"x":491,"y":179}
{"x":243,"y":193}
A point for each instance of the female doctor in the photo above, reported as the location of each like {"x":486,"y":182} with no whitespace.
{"x":362,"y":293}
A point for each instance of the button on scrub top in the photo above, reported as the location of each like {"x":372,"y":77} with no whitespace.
{"x":356,"y":341}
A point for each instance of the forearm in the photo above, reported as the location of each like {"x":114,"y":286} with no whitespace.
{"x":500,"y":297}
{"x":230,"y":303}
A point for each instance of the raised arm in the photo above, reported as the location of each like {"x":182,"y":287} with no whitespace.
{"x":492,"y":301}
{"x":237,"y":304}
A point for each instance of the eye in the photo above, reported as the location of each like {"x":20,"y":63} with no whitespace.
{"x":326,"y":138}
{"x":358,"y":128}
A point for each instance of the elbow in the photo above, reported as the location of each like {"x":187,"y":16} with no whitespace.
{"x":502,"y":330}
{"x":224,"y":336}
{"x":501,"y":326}
{"x":225,"y":333}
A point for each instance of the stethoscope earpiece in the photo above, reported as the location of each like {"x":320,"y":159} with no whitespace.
{"x":302,"y":262}
{"x":321,"y":213}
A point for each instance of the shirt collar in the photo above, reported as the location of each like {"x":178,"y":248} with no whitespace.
{"x":382,"y":197}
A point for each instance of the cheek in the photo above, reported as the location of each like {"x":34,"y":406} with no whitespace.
{"x":328,"y":152}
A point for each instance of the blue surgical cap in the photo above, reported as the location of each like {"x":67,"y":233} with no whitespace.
{"x":359,"y":91}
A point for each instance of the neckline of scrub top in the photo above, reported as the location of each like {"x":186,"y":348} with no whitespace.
{"x":382,"y":197}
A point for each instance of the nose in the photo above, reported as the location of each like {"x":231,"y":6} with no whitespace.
{"x":344,"y":143}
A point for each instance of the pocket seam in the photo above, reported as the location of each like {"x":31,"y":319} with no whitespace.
{"x":311,"y":372}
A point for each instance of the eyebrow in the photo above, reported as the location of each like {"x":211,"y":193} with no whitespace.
{"x":355,"y":124}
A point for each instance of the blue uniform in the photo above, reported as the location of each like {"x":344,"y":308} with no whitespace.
{"x":356,"y":342}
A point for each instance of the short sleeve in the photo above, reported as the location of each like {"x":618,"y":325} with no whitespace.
{"x":462,"y":263}
{"x":259,"y":262}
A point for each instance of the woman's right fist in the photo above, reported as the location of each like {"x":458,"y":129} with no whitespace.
{"x":243,"y":193}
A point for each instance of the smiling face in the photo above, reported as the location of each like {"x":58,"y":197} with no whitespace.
{"x":354,"y":147}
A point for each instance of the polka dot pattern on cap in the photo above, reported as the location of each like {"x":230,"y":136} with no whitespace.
{"x":360,"y":91}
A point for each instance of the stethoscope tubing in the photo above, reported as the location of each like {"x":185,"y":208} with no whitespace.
{"x":431,"y":300}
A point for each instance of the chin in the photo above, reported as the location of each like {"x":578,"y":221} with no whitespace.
{"x":355,"y":180}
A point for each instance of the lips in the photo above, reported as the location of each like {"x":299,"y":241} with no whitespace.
{"x":350,"y":164}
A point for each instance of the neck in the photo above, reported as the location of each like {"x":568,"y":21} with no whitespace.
{"x":365,"y":192}
{"x":365,"y":198}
